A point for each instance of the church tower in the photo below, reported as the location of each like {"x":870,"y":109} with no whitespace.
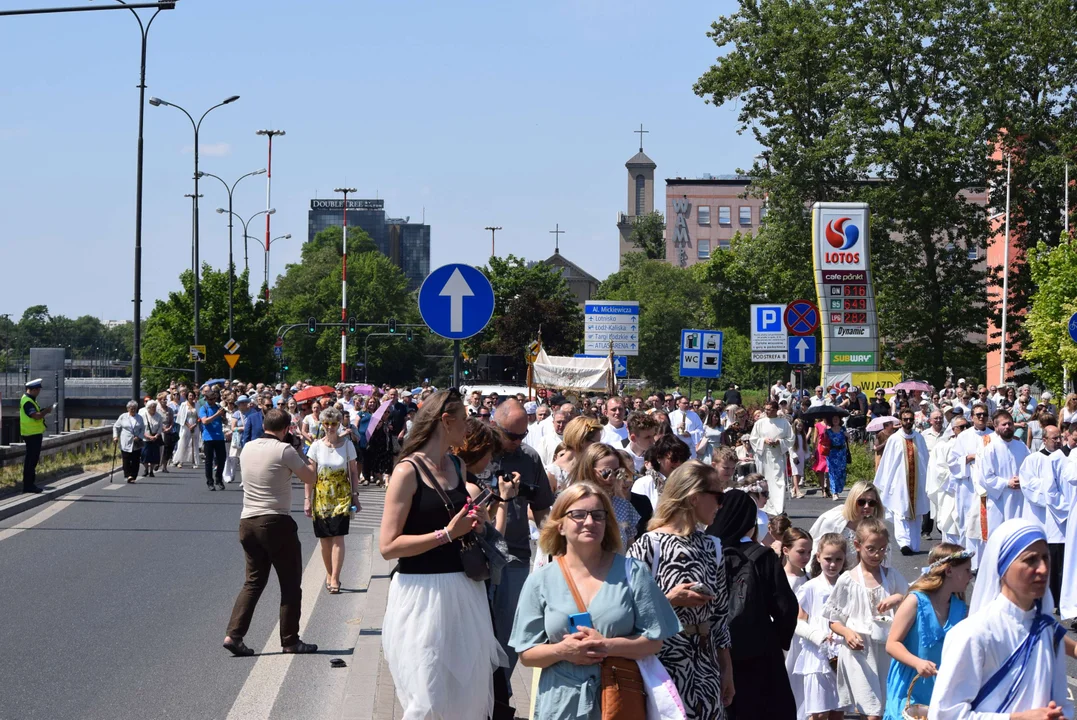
{"x":640,"y":194}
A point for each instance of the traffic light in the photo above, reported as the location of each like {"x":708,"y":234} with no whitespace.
{"x":351,"y":325}
{"x":392,"y":325}
{"x":285,"y":365}
{"x":312,"y":325}
{"x":409,"y":335}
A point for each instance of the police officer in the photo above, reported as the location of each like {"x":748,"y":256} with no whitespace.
{"x":32,"y":429}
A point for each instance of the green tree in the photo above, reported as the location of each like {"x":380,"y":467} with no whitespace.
{"x":377,"y":291}
{"x":1053,"y":271}
{"x":168,"y":333}
{"x":649,"y":235}
{"x":525,"y":299}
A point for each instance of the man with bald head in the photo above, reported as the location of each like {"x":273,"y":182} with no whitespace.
{"x":534,"y":493}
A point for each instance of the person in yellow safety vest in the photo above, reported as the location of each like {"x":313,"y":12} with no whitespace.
{"x":32,"y":429}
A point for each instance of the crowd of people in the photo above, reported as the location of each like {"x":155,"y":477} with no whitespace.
{"x":642,"y":542}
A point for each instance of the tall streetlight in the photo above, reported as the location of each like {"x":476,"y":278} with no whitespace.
{"x":279,"y":237}
{"x":197,"y":126}
{"x":344,"y":290}
{"x":1005,"y":278}
{"x":493,"y":238}
{"x":248,"y":221}
{"x":231,"y":268}
{"x":269,"y":190}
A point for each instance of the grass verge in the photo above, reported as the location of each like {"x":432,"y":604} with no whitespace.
{"x":60,"y":466}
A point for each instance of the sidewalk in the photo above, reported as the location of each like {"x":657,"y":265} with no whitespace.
{"x":371,"y":696}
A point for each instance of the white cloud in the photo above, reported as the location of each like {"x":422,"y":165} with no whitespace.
{"x":210,"y":149}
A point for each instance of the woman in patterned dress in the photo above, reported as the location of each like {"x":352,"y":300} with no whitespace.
{"x":680,"y":556}
{"x":334,"y":493}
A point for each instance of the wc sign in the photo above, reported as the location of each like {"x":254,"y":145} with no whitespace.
{"x":769,"y":335}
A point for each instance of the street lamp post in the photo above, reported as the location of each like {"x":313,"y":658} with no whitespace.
{"x":246,"y":265}
{"x":279,"y":237}
{"x":493,"y":239}
{"x":1005,"y":279}
{"x":231,"y":267}
{"x":156,"y":102}
{"x":269,"y":188}
{"x":344,"y":290}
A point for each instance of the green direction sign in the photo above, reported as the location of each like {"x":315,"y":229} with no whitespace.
{"x":852,"y":358}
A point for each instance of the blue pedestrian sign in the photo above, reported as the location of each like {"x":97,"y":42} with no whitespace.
{"x":620,"y":363}
{"x":802,"y":350}
{"x":701,"y":353}
{"x":456,"y":301}
{"x":1073,"y":327}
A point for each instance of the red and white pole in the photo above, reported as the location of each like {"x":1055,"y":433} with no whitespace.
{"x":344,"y":289}
{"x":269,"y":196}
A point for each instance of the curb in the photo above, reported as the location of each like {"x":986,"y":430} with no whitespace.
{"x":26,"y":501}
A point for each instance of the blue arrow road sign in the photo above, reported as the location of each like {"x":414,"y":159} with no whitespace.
{"x":1073,"y":327}
{"x":620,"y":363}
{"x":802,"y":350}
{"x":456,"y":301}
{"x":701,"y":353}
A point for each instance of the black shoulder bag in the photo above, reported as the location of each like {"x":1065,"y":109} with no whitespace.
{"x":476,"y":566}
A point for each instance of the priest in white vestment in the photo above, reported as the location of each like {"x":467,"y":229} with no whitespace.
{"x":1047,"y":500}
{"x":686,"y":425}
{"x":998,"y":479}
{"x":1008,"y":656}
{"x":942,"y":486}
{"x":962,"y":461}
{"x":771,"y":438}
{"x":902,"y":481}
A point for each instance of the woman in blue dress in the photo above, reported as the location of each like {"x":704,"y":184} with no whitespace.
{"x":837,"y":455}
{"x":628,"y":614}
{"x":933,"y":606}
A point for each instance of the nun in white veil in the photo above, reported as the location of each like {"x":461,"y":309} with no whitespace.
{"x":1008,"y":655}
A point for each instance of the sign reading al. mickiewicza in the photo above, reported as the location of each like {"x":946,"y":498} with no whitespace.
{"x":842,"y":262}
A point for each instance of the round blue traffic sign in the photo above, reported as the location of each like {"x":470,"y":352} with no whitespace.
{"x":1073,"y":327}
{"x":456,"y":301}
{"x":801,"y":317}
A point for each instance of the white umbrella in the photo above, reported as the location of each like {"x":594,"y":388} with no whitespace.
{"x":880,"y":422}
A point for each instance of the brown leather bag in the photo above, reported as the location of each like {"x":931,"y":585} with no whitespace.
{"x":624,"y":696}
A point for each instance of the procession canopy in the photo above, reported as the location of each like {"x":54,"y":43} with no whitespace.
{"x":571,"y":373}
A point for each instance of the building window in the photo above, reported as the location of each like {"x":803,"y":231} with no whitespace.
{"x":641,"y":194}
{"x":974,"y":252}
{"x":703,"y":249}
{"x":745,"y":214}
{"x":724,"y":213}
{"x":704,"y":215}
{"x":723,"y":244}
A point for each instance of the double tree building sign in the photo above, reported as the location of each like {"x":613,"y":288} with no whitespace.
{"x":353,"y":204}
{"x":681,"y":241}
{"x":842,"y":263}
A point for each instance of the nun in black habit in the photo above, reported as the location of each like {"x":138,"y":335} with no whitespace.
{"x":762,"y":614}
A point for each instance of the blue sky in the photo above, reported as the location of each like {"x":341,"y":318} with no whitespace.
{"x":512,"y":114}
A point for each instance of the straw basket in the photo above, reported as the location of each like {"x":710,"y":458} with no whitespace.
{"x":913,"y":711}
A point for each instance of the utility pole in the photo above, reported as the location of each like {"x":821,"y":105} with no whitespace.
{"x":269,"y":187}
{"x":343,"y":288}
{"x":493,"y":239}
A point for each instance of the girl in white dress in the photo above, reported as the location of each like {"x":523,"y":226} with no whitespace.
{"x":861,"y":610}
{"x":190,"y":435}
{"x":795,"y":552}
{"x":814,"y":681}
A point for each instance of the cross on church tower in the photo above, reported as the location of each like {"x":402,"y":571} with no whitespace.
{"x":641,"y":132}
{"x":557,"y":233}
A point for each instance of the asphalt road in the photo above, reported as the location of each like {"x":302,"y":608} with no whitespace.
{"x":115,"y":601}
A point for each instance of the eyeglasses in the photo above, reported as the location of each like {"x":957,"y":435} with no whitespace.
{"x":328,"y":425}
{"x":619,"y":473}
{"x":484,"y":415}
{"x":581,"y":515}
{"x":980,"y":414}
{"x":866,"y":502}
{"x":516,"y":437}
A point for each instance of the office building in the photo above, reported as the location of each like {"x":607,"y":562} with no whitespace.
{"x":406,"y":243}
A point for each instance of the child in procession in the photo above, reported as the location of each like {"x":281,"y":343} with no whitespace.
{"x":933,"y":606}
{"x":796,"y":554}
{"x":861,"y":610}
{"x":812,"y":673}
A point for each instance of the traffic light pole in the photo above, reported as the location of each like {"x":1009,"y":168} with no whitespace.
{"x":346,"y":326}
{"x":456,"y":363}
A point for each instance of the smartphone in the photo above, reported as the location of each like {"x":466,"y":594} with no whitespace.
{"x":485,"y":497}
{"x":702,"y":589}
{"x":579,"y":620}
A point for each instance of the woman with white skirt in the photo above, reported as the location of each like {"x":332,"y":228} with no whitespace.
{"x":190,"y":435}
{"x":437,"y":634}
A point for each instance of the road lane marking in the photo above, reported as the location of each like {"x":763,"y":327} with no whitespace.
{"x":39,"y":517}
{"x":259,"y":693}
{"x":114,"y":486}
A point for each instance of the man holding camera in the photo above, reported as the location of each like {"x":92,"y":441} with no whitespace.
{"x":269,"y":535}
{"x":534,"y":493}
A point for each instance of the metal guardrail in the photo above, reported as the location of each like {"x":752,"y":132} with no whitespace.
{"x":78,"y":441}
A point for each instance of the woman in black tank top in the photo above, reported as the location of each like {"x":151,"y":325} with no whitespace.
{"x":436,"y":616}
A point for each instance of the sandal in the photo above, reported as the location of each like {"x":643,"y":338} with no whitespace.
{"x":300,"y":648}
{"x":334,"y":589}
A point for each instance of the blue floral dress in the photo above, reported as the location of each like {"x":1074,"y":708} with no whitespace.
{"x":924,"y":640}
{"x":836,"y":459}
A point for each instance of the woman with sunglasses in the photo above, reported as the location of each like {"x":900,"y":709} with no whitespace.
{"x":601,"y":465}
{"x":437,"y":635}
{"x":682,"y":557}
{"x":334,"y":493}
{"x":862,"y":502}
{"x":624,"y":614}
